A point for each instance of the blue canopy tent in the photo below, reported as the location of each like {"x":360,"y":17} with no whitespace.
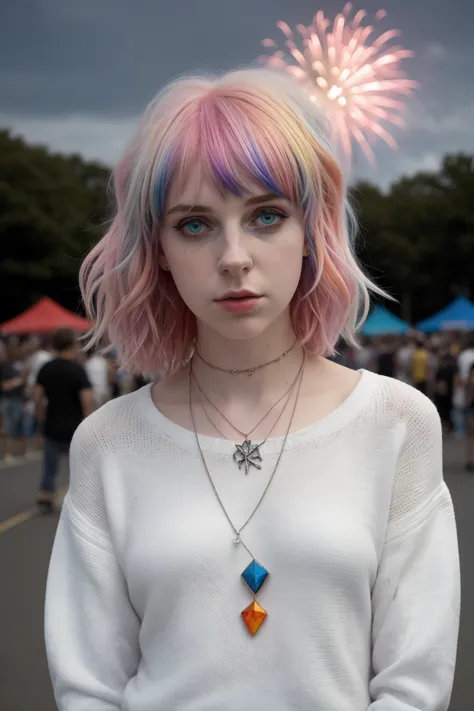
{"x":458,"y":316}
{"x":381,"y":322}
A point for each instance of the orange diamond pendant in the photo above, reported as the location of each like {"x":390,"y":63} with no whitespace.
{"x":254,"y":615}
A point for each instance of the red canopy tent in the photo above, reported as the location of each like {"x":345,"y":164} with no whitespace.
{"x":44,"y":317}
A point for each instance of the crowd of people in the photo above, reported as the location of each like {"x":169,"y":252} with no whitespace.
{"x":440,"y":365}
{"x":49,"y":384}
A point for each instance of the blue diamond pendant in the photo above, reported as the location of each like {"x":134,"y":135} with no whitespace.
{"x":255,"y":575}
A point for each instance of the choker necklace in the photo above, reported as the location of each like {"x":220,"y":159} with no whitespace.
{"x":254,"y":574}
{"x":248,"y":453}
{"x":249,"y":371}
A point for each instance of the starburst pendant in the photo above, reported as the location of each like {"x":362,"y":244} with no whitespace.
{"x":247,"y":454}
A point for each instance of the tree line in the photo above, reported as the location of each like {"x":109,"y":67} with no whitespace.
{"x":416,"y":240}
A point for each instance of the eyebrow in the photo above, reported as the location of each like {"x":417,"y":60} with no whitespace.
{"x":268,"y":197}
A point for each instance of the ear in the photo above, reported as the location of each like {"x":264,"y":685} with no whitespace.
{"x":306,"y":251}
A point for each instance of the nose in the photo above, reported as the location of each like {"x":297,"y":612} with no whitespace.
{"x":234,"y":259}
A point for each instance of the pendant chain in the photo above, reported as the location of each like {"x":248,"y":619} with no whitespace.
{"x":244,"y":434}
{"x":260,"y":444}
{"x":206,"y":468}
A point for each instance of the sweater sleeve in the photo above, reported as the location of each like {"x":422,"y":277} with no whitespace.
{"x":91,"y":630}
{"x":416,"y":597}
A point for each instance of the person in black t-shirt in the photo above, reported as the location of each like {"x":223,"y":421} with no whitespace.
{"x":386,"y":358}
{"x":63,"y":399}
{"x":444,"y":389}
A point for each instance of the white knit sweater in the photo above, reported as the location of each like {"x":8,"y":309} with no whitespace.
{"x":357,"y":532}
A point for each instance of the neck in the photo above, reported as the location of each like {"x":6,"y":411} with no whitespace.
{"x":68,"y":355}
{"x":229,"y":354}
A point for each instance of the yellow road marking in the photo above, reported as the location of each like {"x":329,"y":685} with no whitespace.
{"x":16,"y":520}
{"x":20,"y":518}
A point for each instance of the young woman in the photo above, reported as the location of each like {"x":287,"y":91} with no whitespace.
{"x":258,"y":527}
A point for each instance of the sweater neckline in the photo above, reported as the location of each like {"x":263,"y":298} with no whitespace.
{"x":345,"y":412}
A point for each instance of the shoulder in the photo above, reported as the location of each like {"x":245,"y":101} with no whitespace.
{"x":412,"y":421}
{"x":78,"y":370}
{"x":47,"y":366}
{"x":100,"y":440}
{"x":418,"y":484}
{"x":117,"y":427}
{"x":73,"y":366}
{"x":44,"y":369}
{"x":382,"y":400}
{"x":68,"y":370}
{"x":398,"y":401}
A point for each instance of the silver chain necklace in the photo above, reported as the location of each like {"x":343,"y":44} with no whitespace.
{"x":248,"y":453}
{"x":249,"y":371}
{"x":255,"y":574}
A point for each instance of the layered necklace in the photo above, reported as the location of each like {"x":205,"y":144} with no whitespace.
{"x":247,"y":454}
{"x":254,"y":574}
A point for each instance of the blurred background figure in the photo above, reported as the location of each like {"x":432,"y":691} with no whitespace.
{"x":420,"y":367}
{"x":41,"y":353}
{"x":12,"y":397}
{"x":470,"y":421}
{"x":385,"y":359}
{"x":38,"y":351}
{"x":444,"y":389}
{"x":404,"y":358}
{"x":64,"y":397}
{"x":365,"y":356}
{"x":99,"y":371}
{"x":466,"y":359}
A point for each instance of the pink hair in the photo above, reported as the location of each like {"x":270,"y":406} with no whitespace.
{"x":247,"y":126}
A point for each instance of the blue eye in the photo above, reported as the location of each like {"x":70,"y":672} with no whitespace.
{"x":269,"y":218}
{"x":194,"y":226}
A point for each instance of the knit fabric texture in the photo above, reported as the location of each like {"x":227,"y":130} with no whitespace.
{"x":357,"y":532}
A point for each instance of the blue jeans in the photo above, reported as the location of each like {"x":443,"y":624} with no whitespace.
{"x":51,"y":459}
{"x":13,"y":417}
{"x":458,"y":417}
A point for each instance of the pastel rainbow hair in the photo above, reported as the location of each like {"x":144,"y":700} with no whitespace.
{"x":246,"y":126}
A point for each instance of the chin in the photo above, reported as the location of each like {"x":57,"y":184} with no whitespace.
{"x":247,"y":327}
{"x":242,"y":329}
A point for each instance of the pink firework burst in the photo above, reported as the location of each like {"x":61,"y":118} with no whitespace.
{"x":354,"y":70}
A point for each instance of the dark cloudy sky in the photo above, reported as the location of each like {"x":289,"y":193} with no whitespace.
{"x":75,"y":74}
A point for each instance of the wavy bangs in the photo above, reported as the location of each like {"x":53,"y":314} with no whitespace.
{"x":245,"y":128}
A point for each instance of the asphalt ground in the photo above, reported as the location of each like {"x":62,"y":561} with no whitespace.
{"x":25,"y":545}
